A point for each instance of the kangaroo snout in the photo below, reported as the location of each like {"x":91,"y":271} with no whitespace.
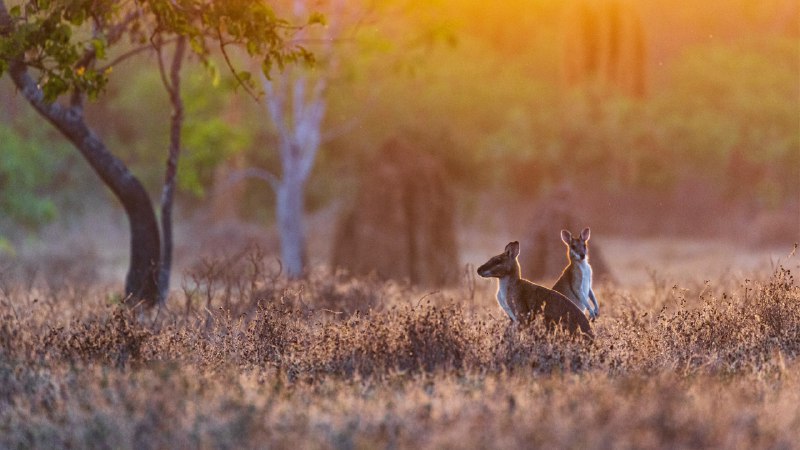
{"x":484,"y":271}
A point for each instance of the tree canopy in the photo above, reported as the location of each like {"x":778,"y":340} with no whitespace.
{"x":63,"y":40}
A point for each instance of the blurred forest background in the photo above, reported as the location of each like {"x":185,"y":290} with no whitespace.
{"x":660,"y":118}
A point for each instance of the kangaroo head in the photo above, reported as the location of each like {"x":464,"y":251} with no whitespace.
{"x":503,"y":264}
{"x":577,"y":247}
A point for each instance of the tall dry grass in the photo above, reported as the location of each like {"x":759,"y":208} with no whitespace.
{"x":241,"y":359}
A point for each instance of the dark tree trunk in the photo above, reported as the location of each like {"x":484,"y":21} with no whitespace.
{"x":141,"y":283}
{"x":168,"y":192}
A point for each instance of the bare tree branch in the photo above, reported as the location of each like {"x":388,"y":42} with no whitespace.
{"x":162,"y":71}
{"x":113,"y":34}
{"x":251,"y":172}
{"x":168,"y":191}
{"x":130,"y":53}
{"x":274,"y":100}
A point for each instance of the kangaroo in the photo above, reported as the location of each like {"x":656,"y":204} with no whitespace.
{"x":576,"y":279}
{"x":522,"y":300}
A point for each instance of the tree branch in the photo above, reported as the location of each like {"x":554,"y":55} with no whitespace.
{"x":117,"y":31}
{"x":232,"y":69}
{"x":168,"y":191}
{"x":251,"y":172}
{"x":274,"y":101}
{"x":6,"y":23}
{"x":113,"y":34}
{"x":162,"y":71}
{"x":131,"y":53}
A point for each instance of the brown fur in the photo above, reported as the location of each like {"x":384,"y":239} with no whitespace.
{"x":526,"y":300}
{"x":576,"y":280}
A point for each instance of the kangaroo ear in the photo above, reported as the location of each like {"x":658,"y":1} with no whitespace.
{"x":512,"y":249}
{"x":586,"y":233}
{"x":566,"y":236}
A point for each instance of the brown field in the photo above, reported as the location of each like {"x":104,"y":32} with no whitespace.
{"x":425,"y":136}
{"x":242,"y":359}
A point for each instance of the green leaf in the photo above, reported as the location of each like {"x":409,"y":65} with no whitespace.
{"x":197,"y":45}
{"x":54,"y":87}
{"x":76,"y":17}
{"x":266,"y":67}
{"x":15,"y":11}
{"x":212,"y":70}
{"x":252,"y":48}
{"x":24,"y":173}
{"x":99,"y":48}
{"x":63,"y":33}
{"x":317,"y":18}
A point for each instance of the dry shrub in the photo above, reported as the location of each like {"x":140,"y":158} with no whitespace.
{"x":279,"y":368}
{"x":241,"y":282}
{"x":402,"y":224}
{"x":234,"y":281}
{"x":215,"y":239}
{"x":751,"y":331}
{"x":728,"y":335}
{"x":114,"y":339}
{"x":405,"y":339}
{"x":380,"y":329}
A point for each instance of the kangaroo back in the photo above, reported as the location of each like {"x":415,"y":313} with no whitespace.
{"x":556,"y":309}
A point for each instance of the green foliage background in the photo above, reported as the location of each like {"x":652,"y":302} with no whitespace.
{"x":482,"y":88}
{"x":24,"y":172}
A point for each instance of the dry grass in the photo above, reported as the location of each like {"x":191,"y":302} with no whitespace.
{"x":244,"y":359}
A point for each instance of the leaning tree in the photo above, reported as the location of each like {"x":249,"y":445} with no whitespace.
{"x":58,"y":53}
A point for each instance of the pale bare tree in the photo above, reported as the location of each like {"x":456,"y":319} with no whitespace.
{"x":295,"y":100}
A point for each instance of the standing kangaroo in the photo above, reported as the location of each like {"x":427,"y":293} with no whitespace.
{"x":522,"y":300}
{"x":576,"y":279}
